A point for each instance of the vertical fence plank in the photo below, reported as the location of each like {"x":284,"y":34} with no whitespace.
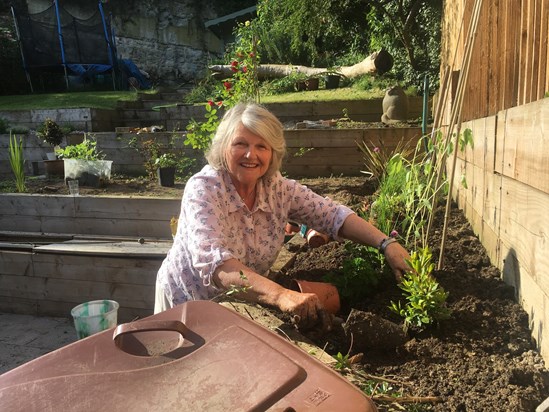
{"x":543,"y":52}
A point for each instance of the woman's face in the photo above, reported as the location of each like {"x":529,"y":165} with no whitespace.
{"x":248,"y":157}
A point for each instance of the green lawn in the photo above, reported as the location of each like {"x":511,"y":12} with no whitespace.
{"x":108,"y":99}
{"x":96,"y":100}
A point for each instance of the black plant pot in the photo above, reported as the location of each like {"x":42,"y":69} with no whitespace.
{"x":332,"y":82}
{"x":166,"y":176}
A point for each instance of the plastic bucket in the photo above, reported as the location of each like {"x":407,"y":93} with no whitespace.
{"x":94,"y":316}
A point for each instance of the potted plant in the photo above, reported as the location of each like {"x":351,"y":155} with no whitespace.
{"x":332,"y":78}
{"x":85,"y":162}
{"x":51,"y":133}
{"x":166,"y":165}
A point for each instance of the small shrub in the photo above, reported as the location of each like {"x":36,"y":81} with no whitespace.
{"x":4,"y":126}
{"x":50,"y":132}
{"x":342,"y":362}
{"x":425,"y":298}
{"x":166,"y":160}
{"x":360,"y":275}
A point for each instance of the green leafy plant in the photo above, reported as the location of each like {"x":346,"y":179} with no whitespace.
{"x":233,"y":289}
{"x":87,"y":150}
{"x":17,"y":162}
{"x":376,"y":159}
{"x":342,"y":362}
{"x":200,"y":134}
{"x":361,"y":273}
{"x":166,"y":160}
{"x":50,"y":132}
{"x":411,"y":186}
{"x":425,"y":298}
{"x":150,"y":150}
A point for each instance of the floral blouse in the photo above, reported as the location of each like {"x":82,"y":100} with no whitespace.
{"x":215,"y":225}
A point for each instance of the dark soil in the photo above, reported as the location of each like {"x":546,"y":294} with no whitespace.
{"x":481,"y":359}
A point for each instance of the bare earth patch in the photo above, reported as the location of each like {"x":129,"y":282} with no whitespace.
{"x":482,"y":359}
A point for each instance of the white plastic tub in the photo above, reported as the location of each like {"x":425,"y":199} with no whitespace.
{"x":88,"y":172}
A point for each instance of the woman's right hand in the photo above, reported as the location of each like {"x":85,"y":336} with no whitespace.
{"x":305,"y":308}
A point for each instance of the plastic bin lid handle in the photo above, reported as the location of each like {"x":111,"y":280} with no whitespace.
{"x":150,"y":326}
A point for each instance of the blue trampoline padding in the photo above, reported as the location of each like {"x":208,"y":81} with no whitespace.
{"x":88,"y":69}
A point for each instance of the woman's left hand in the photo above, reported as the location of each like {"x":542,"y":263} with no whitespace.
{"x":396,"y":256}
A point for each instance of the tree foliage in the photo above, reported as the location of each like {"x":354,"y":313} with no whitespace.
{"x":334,"y":32}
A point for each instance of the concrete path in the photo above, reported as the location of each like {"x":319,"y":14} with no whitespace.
{"x":24,"y":338}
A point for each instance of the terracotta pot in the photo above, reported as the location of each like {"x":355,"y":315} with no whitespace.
{"x":54,"y":168}
{"x":316,"y":239}
{"x":291,"y":228}
{"x":326,"y":292}
{"x":312,"y":83}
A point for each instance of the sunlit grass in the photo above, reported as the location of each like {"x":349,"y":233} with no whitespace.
{"x":109,"y":99}
{"x":95,"y":100}
{"x":343,"y":93}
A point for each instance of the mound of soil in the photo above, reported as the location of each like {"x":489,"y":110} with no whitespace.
{"x":481,"y":359}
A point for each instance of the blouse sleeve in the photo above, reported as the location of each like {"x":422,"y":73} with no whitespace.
{"x":320,"y":213}
{"x":204,"y":211}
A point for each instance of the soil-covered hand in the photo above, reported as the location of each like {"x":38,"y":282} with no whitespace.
{"x":305,"y":309}
{"x":396,"y":256}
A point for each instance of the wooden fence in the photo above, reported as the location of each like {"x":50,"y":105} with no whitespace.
{"x":507,"y":199}
{"x":504,"y":105}
{"x":510,"y":60}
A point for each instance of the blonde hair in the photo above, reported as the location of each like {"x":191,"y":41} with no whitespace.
{"x":258,"y":120}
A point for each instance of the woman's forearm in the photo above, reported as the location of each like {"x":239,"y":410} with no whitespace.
{"x":305,"y":307}
{"x":250,"y":285}
{"x":359,"y":230}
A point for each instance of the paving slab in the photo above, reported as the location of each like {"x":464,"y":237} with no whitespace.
{"x":25,"y":337}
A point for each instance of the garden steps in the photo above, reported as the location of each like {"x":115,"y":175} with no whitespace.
{"x":146,"y":110}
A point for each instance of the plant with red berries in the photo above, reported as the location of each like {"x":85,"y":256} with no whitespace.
{"x":242,"y":85}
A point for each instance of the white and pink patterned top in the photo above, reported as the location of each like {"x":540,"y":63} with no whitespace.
{"x":215,"y":225}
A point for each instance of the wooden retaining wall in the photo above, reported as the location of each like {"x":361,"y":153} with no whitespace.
{"x":335,"y":151}
{"x":86,"y":215}
{"x":84,"y":119}
{"x":104,"y":259}
{"x":507,"y":200}
{"x":175,"y":118}
{"x":41,"y":283}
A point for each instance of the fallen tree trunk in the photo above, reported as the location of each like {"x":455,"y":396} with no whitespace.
{"x":377,"y":63}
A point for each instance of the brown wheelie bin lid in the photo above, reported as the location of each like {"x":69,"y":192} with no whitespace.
{"x":198,"y":356}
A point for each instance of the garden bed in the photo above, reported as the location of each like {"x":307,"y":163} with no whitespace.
{"x":481,"y":359}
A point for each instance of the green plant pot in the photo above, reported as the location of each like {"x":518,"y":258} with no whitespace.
{"x":166,"y":176}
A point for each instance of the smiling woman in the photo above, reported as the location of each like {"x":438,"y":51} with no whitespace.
{"x":233,"y":216}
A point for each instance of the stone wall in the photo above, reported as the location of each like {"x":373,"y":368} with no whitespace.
{"x":166,"y":39}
